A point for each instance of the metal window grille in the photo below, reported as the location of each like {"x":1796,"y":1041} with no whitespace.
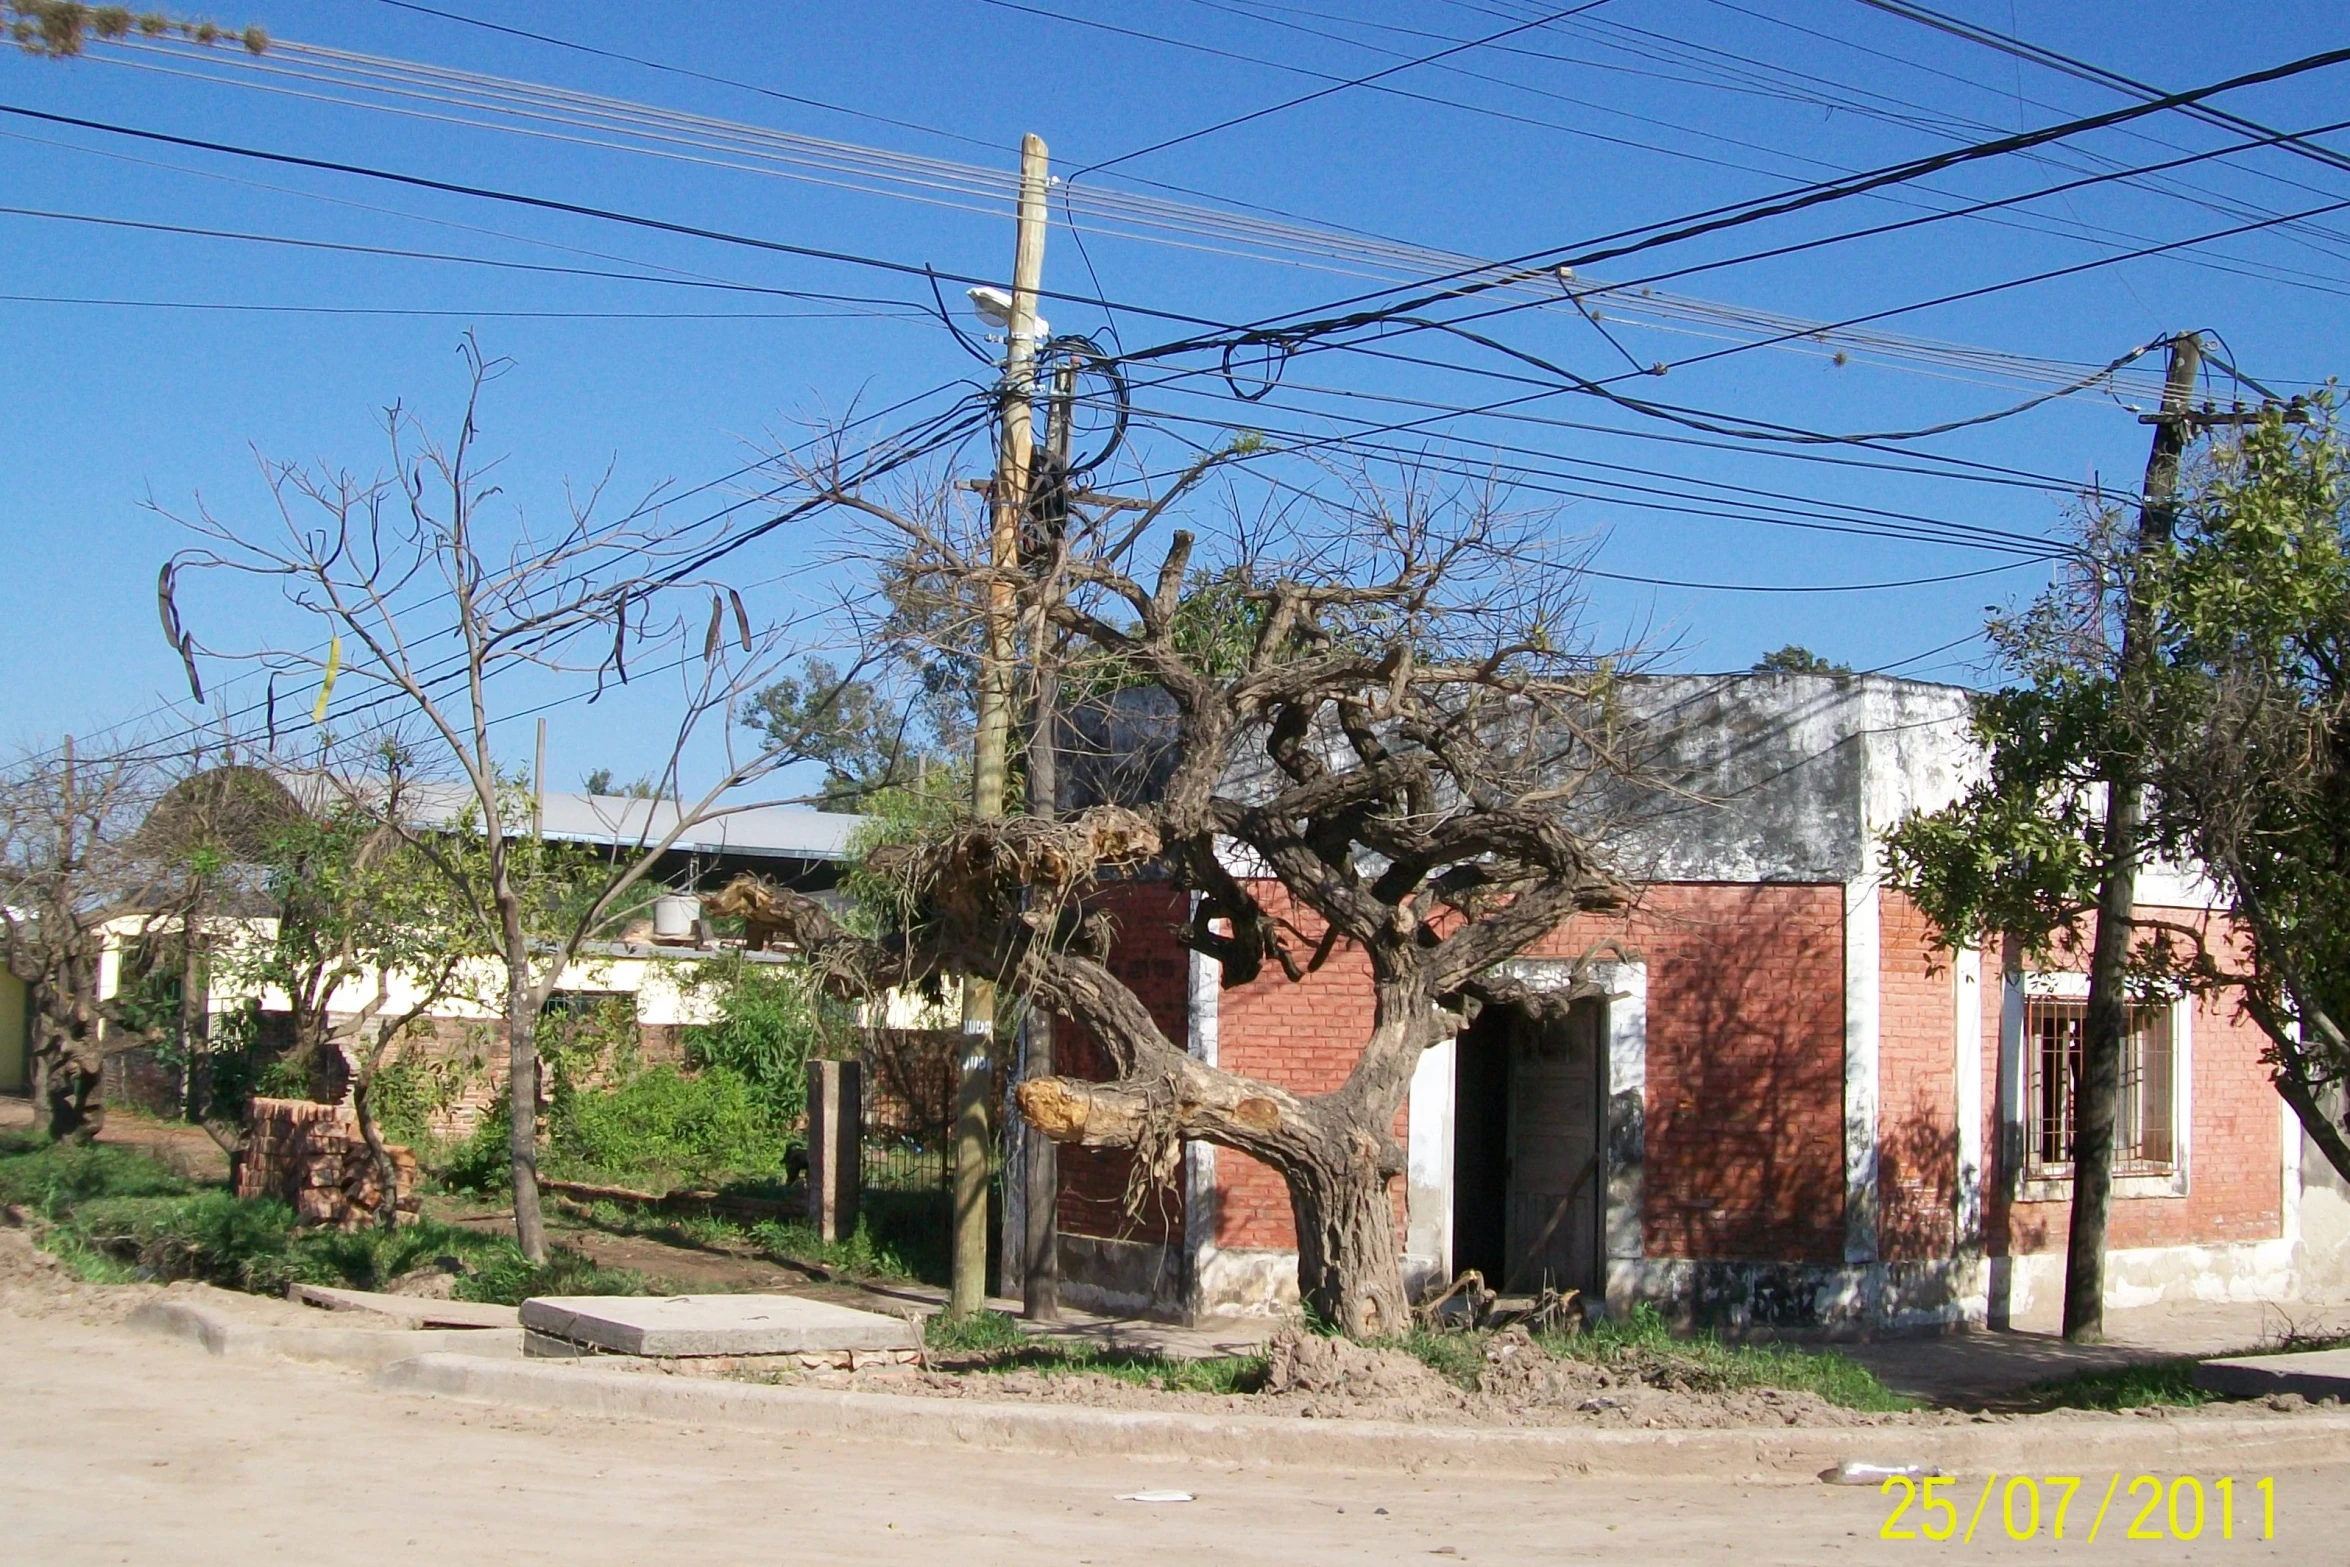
{"x":2145,"y":1133}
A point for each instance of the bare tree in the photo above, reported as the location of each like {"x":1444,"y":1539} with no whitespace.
{"x":68,"y":870}
{"x":432,"y":604}
{"x":1381,"y":734}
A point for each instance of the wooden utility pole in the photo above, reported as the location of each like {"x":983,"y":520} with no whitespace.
{"x":2106,"y":1027}
{"x":1015,"y":451}
{"x":1040,"y":1243}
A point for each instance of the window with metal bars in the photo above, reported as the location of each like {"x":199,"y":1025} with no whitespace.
{"x":2145,"y":1133}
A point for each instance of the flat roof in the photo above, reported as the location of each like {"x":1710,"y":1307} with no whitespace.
{"x":770,"y":831}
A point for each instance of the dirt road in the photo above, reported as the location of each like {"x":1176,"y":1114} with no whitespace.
{"x":119,"y":1448}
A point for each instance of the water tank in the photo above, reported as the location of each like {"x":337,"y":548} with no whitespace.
{"x":674,"y":915}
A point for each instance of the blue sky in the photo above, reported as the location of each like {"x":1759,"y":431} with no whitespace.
{"x":1629,"y":114}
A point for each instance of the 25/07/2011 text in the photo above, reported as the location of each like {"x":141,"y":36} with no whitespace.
{"x":2179,"y":1509}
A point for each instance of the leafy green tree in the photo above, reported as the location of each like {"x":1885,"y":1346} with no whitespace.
{"x":867,"y":739}
{"x":1796,"y":659}
{"x":2245,"y":721}
{"x":2251,"y":740}
{"x":366,"y":941}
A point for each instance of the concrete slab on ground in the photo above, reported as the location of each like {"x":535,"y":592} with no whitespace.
{"x":690,"y":1325}
{"x":407,"y":1311}
{"x":2314,"y":1374}
{"x":236,"y":1329}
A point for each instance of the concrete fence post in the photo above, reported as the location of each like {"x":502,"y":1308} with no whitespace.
{"x":836,"y":1127}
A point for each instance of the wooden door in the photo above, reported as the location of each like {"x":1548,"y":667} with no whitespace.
{"x":1554,"y":1141}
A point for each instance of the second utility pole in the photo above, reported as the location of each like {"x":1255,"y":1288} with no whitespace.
{"x":1008,"y":503}
{"x":2106,"y":1027}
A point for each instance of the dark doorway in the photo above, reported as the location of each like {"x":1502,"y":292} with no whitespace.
{"x":1527,"y":1186}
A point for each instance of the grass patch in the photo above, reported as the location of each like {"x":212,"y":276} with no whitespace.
{"x":2121,"y":1387}
{"x":1641,"y":1341}
{"x":972,"y":1332}
{"x":1138,"y":1368}
{"x":1641,"y":1344}
{"x":1459,"y":1358}
{"x":996,"y":1343}
{"x":53,"y":1178}
{"x":793,"y":1242}
{"x":115,"y":1215}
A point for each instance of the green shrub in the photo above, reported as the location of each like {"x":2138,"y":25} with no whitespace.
{"x":481,"y":1161}
{"x":662,"y":1125}
{"x":244,"y":1244}
{"x":51,"y":1178}
{"x":770,"y":1021}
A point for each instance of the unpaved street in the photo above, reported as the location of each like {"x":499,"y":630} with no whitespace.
{"x":119,"y":1448}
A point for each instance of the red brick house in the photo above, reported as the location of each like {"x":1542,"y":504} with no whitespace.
{"x":1791,"y":1110}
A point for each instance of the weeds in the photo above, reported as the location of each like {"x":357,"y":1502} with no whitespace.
{"x":1640,"y":1340}
{"x":1641,"y":1344}
{"x":1138,"y":1368}
{"x":972,"y":1332}
{"x":1459,"y":1358}
{"x":997,"y":1343}
{"x":2121,"y":1387}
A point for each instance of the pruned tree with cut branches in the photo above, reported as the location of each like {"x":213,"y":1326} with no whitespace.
{"x":421,"y":603}
{"x":1380,"y":732}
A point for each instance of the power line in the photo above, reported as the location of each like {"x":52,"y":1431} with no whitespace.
{"x":691,"y":75}
{"x":1156,"y":217}
{"x":396,"y":252}
{"x":1338,"y":87}
{"x":1730,"y":215}
{"x":572,"y":208}
{"x":2087,"y":72}
{"x":240,"y":307}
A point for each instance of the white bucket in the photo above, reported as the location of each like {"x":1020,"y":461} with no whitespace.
{"x":674,"y":916}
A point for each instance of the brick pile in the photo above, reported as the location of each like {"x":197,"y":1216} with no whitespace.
{"x":313,"y":1158}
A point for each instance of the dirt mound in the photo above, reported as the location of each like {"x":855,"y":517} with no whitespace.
{"x":35,"y":1284}
{"x":1338,"y":1378}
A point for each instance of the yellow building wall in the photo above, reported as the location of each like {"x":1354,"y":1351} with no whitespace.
{"x":14,"y":1068}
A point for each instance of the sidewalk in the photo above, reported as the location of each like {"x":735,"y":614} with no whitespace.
{"x":1983,"y":1366}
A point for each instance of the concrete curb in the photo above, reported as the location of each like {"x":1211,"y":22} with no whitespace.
{"x":2066,"y":1445}
{"x":363,"y":1348}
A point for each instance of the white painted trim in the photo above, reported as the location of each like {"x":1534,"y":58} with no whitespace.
{"x":1625,"y":1135}
{"x":2289,"y":1173}
{"x":1203,"y":997}
{"x":1966,"y":985}
{"x":1428,"y":1157}
{"x":2011,"y":1080}
{"x":1863,"y":948}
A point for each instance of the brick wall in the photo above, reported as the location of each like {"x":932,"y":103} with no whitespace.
{"x":1147,"y":958}
{"x":1304,"y":1036}
{"x":1917,"y":1087}
{"x":1745,"y":1142}
{"x":1745,"y":1104}
{"x":2236,"y":1145}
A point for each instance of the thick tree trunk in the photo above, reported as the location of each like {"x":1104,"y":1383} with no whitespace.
{"x":1348,"y":1270}
{"x":65,"y":1084}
